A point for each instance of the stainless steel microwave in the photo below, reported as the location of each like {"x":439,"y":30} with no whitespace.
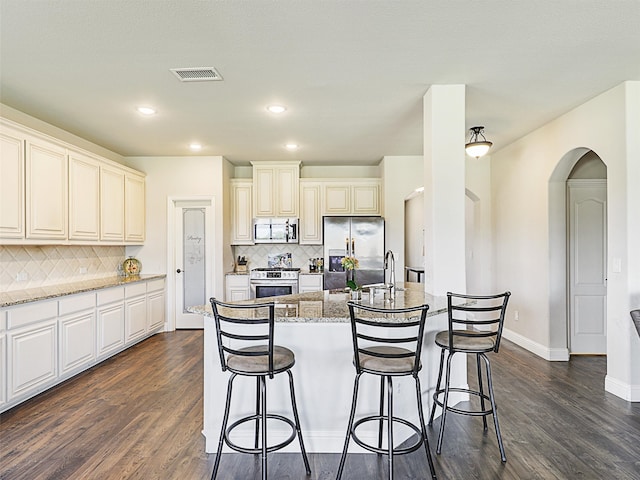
{"x":275,"y":230}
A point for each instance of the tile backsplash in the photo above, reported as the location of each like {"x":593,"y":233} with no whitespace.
{"x":29,"y":266}
{"x":257,"y":255}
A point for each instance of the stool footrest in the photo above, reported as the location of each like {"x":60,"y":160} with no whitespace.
{"x":251,"y":418}
{"x":396,"y":451}
{"x":473,"y":413}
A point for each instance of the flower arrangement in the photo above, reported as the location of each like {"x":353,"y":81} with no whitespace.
{"x":350,"y":264}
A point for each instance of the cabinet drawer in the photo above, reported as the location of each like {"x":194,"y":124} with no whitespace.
{"x":155,"y":285}
{"x":135,"y":290}
{"x":110,"y":295}
{"x":35,"y":312}
{"x":76,"y":303}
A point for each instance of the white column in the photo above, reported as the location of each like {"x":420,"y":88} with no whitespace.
{"x":444,"y":192}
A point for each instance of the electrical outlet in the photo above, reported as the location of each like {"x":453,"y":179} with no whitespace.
{"x":22,"y":277}
{"x":516,"y":315}
{"x":83,"y":270}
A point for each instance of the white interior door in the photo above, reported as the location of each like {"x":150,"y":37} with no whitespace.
{"x":587,"y":200}
{"x":193,"y":263}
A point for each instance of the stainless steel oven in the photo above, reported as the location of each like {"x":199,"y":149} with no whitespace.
{"x":271,"y":282}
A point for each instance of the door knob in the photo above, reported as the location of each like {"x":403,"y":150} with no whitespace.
{"x":178,"y":271}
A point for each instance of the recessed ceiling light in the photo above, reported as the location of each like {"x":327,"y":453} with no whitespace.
{"x":146,"y":110}
{"x":196,"y":147}
{"x":276,"y":108}
{"x":291,"y":146}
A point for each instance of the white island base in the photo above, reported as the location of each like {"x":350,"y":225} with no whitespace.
{"x":323,"y":379}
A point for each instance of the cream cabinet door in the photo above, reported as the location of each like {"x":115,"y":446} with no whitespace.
{"x":241,"y":218}
{"x":352,"y":197}
{"x":276,"y":189}
{"x":366,"y":198}
{"x":11,"y":183}
{"x":310,"y":213}
{"x":309,"y":283}
{"x":237,"y":288}
{"x":111,"y":204}
{"x":263,"y":191}
{"x":84,"y":197}
{"x":134,"y":207}
{"x":46,"y":189}
{"x":287,"y":191}
{"x":337,"y":199}
{"x":155,"y":305}
{"x":32,"y":358}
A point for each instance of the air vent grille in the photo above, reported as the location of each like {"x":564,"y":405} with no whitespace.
{"x":197,"y":74}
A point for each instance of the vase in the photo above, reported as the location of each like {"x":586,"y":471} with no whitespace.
{"x":356,"y":294}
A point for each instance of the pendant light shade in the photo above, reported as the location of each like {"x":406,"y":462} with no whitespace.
{"x":476,"y":147}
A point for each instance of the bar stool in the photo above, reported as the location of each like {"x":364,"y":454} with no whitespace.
{"x":261,"y":358}
{"x":482,"y":318}
{"x":377,"y":334}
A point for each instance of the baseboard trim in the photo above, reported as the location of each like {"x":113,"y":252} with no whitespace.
{"x":550,"y":354}
{"x":628,"y":392}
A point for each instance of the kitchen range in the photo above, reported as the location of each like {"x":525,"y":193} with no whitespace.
{"x":279,"y":278}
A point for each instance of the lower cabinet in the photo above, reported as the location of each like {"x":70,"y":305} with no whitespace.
{"x":155,"y":305}
{"x":43,"y":343}
{"x":77,"y":333}
{"x":3,"y":363}
{"x":309,"y":282}
{"x":135,"y":312}
{"x":110,"y":318}
{"x":237,"y":288}
{"x":32,"y":349}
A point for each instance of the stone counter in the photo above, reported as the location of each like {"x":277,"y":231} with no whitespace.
{"x":316,"y":327}
{"x":330,"y":306}
{"x":17,"y":297}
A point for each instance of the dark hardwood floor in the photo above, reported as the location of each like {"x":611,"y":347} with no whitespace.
{"x":139,"y":416}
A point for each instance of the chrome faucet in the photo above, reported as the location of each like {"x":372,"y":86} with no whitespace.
{"x":390,"y":264}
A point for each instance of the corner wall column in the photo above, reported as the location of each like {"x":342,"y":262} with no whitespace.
{"x":444,"y":193}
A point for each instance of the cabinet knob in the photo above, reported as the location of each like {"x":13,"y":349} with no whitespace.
{"x":178,"y":271}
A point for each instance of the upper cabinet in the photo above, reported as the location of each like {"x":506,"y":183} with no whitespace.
{"x":134,"y":208}
{"x":111,"y":204}
{"x":52,"y":192}
{"x":46,"y":190}
{"x":310,"y":212}
{"x":241,"y":217}
{"x":276,"y":189}
{"x":352,"y":197}
{"x":84,"y":197}
{"x":11,"y":183}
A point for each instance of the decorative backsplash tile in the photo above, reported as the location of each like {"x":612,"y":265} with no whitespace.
{"x":257,"y":255}
{"x":28,"y":266}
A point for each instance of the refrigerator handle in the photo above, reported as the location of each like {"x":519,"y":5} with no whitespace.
{"x":346,"y":246}
{"x":353,"y":247}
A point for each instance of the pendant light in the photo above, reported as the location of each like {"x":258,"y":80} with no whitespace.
{"x":476,"y":147}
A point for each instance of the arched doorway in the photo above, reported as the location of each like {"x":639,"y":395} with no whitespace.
{"x":560,"y":309}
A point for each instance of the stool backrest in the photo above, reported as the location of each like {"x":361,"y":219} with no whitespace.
{"x":400,"y":327}
{"x":245,"y":325}
{"x":635,"y":316}
{"x":476,"y":316}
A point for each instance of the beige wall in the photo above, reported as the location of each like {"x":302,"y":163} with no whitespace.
{"x":528,"y":180}
{"x":183,"y":177}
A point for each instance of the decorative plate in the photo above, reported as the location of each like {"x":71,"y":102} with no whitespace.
{"x":131,"y":266}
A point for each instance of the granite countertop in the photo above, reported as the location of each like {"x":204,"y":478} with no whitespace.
{"x":17,"y":297}
{"x":330,"y":306}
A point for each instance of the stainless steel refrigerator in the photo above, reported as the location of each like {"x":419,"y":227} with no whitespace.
{"x":361,"y":237}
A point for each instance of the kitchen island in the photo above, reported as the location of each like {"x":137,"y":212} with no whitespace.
{"x":316,"y":326}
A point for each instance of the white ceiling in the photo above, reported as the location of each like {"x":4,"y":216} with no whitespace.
{"x":352,"y":73}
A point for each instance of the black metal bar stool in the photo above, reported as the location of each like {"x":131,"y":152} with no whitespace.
{"x":482,"y":320}
{"x":260,"y":358}
{"x":377,"y":335}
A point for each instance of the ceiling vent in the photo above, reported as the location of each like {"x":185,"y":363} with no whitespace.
{"x":197,"y":74}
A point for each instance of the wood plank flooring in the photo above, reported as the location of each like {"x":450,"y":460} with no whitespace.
{"x":139,"y":416}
